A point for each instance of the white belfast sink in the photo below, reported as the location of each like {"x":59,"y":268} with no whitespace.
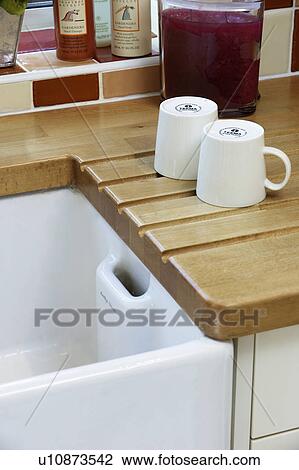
{"x":97,"y":387}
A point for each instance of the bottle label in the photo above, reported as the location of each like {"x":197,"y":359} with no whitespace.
{"x":102,"y":20}
{"x":126,"y":15}
{"x":72,"y":17}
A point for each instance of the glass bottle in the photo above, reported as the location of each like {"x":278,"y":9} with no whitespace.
{"x":131,"y":28}
{"x":212,"y":49}
{"x":102,"y":16}
{"x":10,"y":29}
{"x":74,"y":28}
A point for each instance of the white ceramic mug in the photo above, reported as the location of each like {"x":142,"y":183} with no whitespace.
{"x":180,"y":127}
{"x":232,"y":170}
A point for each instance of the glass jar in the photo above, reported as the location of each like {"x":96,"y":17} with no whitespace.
{"x":212,"y":49}
{"x":10,"y":29}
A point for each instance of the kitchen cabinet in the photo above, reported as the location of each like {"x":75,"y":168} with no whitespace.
{"x":275,"y":405}
{"x":282,"y":441}
{"x":267,"y":390}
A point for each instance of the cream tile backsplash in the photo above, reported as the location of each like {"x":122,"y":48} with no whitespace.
{"x":15,"y":97}
{"x":277,"y":34}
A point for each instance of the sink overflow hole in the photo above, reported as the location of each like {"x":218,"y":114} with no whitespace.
{"x":131,"y":284}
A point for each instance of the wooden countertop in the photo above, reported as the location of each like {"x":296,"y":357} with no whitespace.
{"x":235,"y":271}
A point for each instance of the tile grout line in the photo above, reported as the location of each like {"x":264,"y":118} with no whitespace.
{"x":101,"y":86}
{"x":291,"y":46}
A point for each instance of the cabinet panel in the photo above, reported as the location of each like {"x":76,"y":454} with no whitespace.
{"x":284,"y":441}
{"x":275,"y":405}
{"x":244,"y":360}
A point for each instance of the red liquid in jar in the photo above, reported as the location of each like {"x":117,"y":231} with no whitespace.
{"x":213,"y":54}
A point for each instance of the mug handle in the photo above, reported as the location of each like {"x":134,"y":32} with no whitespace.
{"x":280,"y":154}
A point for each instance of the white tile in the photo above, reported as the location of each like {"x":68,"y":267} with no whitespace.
{"x":15,"y":97}
{"x":275,"y":56}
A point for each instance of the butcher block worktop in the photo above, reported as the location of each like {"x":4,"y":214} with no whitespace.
{"x":235,"y":271}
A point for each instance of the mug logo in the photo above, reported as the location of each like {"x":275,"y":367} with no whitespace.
{"x":188,"y":107}
{"x":233,"y":131}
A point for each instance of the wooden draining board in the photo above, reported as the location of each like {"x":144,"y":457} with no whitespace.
{"x":235,"y":271}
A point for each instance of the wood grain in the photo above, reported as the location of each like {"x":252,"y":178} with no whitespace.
{"x":228,"y":229}
{"x":248,"y":276}
{"x":129,"y":193}
{"x":35,"y":176}
{"x":157,"y":214}
{"x":115,"y":171}
{"x":92,"y":132}
{"x":209,"y":259}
